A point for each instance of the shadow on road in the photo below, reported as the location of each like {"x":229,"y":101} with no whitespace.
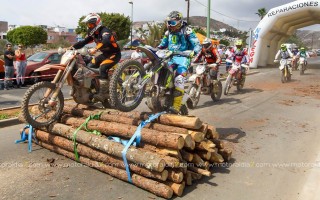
{"x":10,"y":103}
{"x":231,"y":134}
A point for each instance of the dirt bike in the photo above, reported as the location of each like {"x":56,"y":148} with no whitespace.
{"x":294,"y":62}
{"x":302,"y":65}
{"x":43,"y":102}
{"x":202,"y":82}
{"x":156,"y":79}
{"x":236,"y":76}
{"x":284,"y":69}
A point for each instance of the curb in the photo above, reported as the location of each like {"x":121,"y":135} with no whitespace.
{"x":9,"y":122}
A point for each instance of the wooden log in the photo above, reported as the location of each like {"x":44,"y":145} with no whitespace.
{"x":176,"y":187}
{"x":160,"y":150}
{"x":196,"y":136}
{"x":187,"y":178}
{"x":199,"y":170}
{"x":216,"y":158}
{"x":171,"y":161}
{"x":197,"y":160}
{"x":225,"y":153}
{"x":206,"y":155}
{"x":150,"y":136}
{"x":188,"y":122}
{"x":219,"y":143}
{"x":152,"y":186}
{"x":148,"y":159}
{"x":204,"y":128}
{"x":96,"y":155}
{"x":195,"y":176}
{"x":175,"y":176}
{"x":186,"y":155}
{"x":106,"y":116}
{"x":212,"y":132}
{"x":205,"y":145}
{"x":188,"y":142}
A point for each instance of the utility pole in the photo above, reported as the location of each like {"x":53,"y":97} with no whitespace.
{"x":131,"y":2}
{"x":208,"y":19}
{"x":188,"y":10}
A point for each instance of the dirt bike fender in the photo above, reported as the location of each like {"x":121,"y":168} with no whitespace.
{"x":48,"y":67}
{"x":281,"y":67}
{"x":192,"y":78}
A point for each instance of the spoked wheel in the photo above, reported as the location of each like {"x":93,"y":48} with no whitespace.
{"x":193,"y":100}
{"x":227,"y":85}
{"x":241,"y":83}
{"x":283,"y":76}
{"x":216,"y":90}
{"x":35,"y":105}
{"x":124,"y":93}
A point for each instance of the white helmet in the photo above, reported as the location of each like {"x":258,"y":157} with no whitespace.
{"x":206,"y":44}
{"x":93,"y":22}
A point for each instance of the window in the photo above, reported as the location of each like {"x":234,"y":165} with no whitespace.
{"x":55,"y":58}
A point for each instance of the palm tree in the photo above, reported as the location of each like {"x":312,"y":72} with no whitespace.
{"x":154,"y":34}
{"x":261,"y":12}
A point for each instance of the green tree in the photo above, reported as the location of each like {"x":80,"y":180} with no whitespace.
{"x":153,"y":35}
{"x":29,"y":36}
{"x":200,"y":30}
{"x":114,"y":21}
{"x":261,"y":12}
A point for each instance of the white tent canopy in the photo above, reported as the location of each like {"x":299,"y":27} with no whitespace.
{"x":279,"y":24}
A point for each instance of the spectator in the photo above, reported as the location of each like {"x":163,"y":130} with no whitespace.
{"x":136,"y":54}
{"x":21,"y":63}
{"x":8,"y":63}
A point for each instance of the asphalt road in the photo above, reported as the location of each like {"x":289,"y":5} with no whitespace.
{"x":273,"y":129}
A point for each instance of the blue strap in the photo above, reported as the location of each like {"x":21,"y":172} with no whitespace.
{"x":30,"y":136}
{"x":137,"y":138}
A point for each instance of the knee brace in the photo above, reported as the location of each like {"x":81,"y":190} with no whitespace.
{"x":179,"y":82}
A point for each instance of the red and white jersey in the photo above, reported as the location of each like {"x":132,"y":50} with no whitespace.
{"x":240,"y":56}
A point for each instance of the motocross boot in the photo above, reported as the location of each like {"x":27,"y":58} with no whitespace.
{"x":177,"y":100}
{"x":103,"y":91}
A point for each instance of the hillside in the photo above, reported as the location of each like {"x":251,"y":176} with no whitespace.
{"x":310,"y":38}
{"x":214,"y":24}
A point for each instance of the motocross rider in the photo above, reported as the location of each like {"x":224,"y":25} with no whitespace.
{"x":285,"y":53}
{"x":211,"y":56}
{"x":240,"y":56}
{"x":179,"y":37}
{"x":106,"y":43}
{"x":302,"y":53}
{"x":229,"y":55}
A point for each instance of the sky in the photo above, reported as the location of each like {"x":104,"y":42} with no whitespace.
{"x":66,"y":13}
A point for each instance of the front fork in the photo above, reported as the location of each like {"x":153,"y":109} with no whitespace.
{"x":59,"y":80}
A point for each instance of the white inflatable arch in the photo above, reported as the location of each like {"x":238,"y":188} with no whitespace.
{"x":279,"y":24}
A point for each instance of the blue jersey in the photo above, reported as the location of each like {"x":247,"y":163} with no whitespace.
{"x":183,"y":40}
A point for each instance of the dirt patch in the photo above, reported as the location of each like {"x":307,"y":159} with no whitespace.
{"x":310,"y":90}
{"x":254,"y":123}
{"x":288,"y":102}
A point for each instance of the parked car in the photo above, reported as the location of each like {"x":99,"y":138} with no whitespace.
{"x":38,"y":60}
{"x":1,"y":69}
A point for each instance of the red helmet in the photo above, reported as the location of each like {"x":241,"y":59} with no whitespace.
{"x":93,"y":22}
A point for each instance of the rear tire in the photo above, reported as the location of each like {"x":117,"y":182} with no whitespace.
{"x":216,"y":91}
{"x":36,"y":79}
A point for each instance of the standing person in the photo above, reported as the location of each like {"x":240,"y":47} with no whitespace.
{"x":21,"y":63}
{"x":9,"y":68}
{"x":107,"y":44}
{"x":179,"y":37}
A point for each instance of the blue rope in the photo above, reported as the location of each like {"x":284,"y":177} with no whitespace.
{"x":137,"y":138}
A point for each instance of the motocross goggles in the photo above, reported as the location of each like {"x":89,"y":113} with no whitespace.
{"x":91,"y":25}
{"x":172,"y":22}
